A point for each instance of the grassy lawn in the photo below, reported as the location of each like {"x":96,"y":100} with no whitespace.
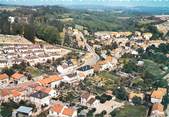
{"x":132,"y":111}
{"x":4,"y":112}
{"x":153,"y":68}
{"x":108,"y":80}
{"x":102,"y":82}
{"x":34,"y":71}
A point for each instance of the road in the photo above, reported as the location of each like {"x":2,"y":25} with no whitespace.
{"x":92,"y":60}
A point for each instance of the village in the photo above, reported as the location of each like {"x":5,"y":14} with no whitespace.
{"x":68,"y":84}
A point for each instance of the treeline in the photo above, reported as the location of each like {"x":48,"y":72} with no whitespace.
{"x":33,"y":23}
{"x":41,"y":17}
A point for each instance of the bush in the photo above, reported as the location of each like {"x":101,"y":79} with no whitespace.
{"x":136,"y":100}
{"x":104,"y":112}
{"x":103,"y":98}
{"x":121,"y":93}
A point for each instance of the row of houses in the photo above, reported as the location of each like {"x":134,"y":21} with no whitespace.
{"x":46,"y":84}
{"x":15,"y":79}
{"x":58,"y":109}
{"x":136,"y":35}
{"x":34,"y":53}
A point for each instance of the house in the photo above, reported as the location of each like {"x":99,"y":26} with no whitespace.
{"x":66,"y":69}
{"x":92,"y":102}
{"x":5,"y":95}
{"x":89,"y":100}
{"x":137,"y":33}
{"x":84,"y":97}
{"x":60,"y":110}
{"x":18,"y":78}
{"x":140,"y":63}
{"x":157,"y":95}
{"x":147,"y":35}
{"x":69,"y":112}
{"x":86,"y":70}
{"x":70,"y":78}
{"x":56,"y":110}
{"x":40,"y":98}
{"x":16,"y":95}
{"x":132,"y":95}
{"x":22,"y":111}
{"x":51,"y":81}
{"x":108,"y":64}
{"x":4,"y":80}
{"x":3,"y":63}
{"x":157,"y":110}
{"x":49,"y":91}
{"x":81,"y":76}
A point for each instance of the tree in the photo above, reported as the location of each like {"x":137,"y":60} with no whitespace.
{"x":130,"y":67}
{"x":17,"y":29}
{"x":161,"y":83}
{"x":156,"y":33}
{"x":140,"y":51}
{"x":21,"y":67}
{"x":90,"y":113}
{"x":8,"y":71}
{"x":58,"y":24}
{"x":104,"y":112}
{"x":113,"y":113}
{"x":120,"y":93}
{"x":103,"y":98}
{"x":49,"y":34}
{"x":165,"y":101}
{"x":136,"y":100}
{"x":163,"y":48}
{"x":29,"y":32}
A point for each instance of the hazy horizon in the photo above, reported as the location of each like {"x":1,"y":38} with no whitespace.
{"x":129,"y":3}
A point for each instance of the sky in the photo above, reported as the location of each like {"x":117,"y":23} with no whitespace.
{"x":151,"y":3}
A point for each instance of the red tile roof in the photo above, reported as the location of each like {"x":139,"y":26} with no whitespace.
{"x":158,"y":107}
{"x":159,"y":93}
{"x":50,"y":79}
{"x":68,"y":111}
{"x":5,"y":92}
{"x":3,"y":76}
{"x":43,"y":89}
{"x":57,"y":108}
{"x":17,"y":75}
{"x":15,"y":93}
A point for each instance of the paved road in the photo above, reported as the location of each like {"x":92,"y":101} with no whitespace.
{"x":92,"y":60}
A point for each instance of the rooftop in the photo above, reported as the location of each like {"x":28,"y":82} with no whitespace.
{"x":85,"y":95}
{"x":39,"y":95}
{"x":24,"y":109}
{"x":3,"y":76}
{"x":17,"y":75}
{"x":85,"y":68}
{"x":50,"y":79}
{"x":159,"y":93}
{"x":43,"y":89}
{"x":91,"y":101}
{"x":15,"y":93}
{"x":57,"y":108}
{"x":158,"y":107}
{"x":68,"y":111}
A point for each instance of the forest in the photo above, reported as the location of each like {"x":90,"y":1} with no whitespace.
{"x":46,"y":22}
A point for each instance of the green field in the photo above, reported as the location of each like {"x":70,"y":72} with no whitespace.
{"x":132,"y":111}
